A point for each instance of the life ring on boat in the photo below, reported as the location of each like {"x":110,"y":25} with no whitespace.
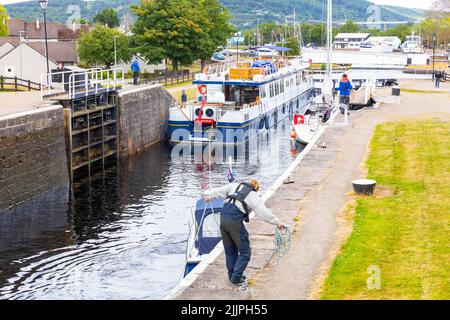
{"x":299,"y":119}
{"x":203,"y":89}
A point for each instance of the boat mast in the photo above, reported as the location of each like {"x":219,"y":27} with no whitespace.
{"x":327,"y":91}
{"x":330,"y":38}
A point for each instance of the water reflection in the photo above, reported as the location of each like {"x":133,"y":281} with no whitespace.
{"x":120,"y":234}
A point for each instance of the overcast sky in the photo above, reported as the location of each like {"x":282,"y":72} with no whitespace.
{"x":424,"y":4}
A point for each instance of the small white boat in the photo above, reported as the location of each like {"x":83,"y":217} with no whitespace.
{"x":305,"y":127}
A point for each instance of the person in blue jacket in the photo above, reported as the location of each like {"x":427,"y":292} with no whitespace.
{"x":135,"y":68}
{"x":344,"y":89}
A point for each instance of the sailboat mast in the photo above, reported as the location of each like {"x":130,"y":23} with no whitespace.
{"x":329,"y":38}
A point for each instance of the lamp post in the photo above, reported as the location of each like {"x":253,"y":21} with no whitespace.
{"x":21,"y":59}
{"x":115,"y":51}
{"x":44,"y":5}
{"x":434,"y":52}
{"x":115,"y":57}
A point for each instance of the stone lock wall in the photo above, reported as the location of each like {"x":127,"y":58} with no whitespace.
{"x":33,"y":157}
{"x":143,"y":117}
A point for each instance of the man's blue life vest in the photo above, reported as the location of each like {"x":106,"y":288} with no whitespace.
{"x":230,"y":208}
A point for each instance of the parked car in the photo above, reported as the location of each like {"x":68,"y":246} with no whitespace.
{"x":218,"y":56}
{"x":311,"y":45}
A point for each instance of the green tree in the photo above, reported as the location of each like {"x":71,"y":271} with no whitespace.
{"x":294,"y":45}
{"x":218,"y":27}
{"x":107,"y":17}
{"x":173,"y":29}
{"x":96,"y":48}
{"x":3,"y":22}
{"x":348,"y":27}
{"x":319,"y":34}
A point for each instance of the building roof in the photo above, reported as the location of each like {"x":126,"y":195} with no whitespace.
{"x":352,"y":35}
{"x":390,"y":38}
{"x":13,"y":41}
{"x":65,"y":51}
{"x":36,"y":30}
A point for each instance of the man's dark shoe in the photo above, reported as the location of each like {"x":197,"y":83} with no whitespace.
{"x":238,"y":282}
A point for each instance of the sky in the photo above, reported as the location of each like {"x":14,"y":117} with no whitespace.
{"x":423,"y":4}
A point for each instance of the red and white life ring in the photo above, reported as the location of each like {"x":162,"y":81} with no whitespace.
{"x":299,"y":119}
{"x":203,"y":89}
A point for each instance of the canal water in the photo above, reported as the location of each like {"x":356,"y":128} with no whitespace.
{"x":121,"y":234}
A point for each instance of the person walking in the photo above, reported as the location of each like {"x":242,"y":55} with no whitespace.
{"x":184,"y":99}
{"x":438,"y":77}
{"x":344,"y":89}
{"x":135,"y":68}
{"x":240,"y":200}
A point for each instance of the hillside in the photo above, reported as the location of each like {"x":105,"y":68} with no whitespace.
{"x":245,"y":12}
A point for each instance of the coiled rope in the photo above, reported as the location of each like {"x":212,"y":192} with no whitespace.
{"x":282,"y":243}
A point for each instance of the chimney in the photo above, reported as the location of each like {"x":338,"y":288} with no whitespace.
{"x":38,"y":25}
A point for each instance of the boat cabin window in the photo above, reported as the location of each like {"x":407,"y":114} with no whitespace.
{"x":262,"y":92}
{"x":242,"y":95}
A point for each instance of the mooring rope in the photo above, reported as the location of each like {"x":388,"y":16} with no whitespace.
{"x":282,"y":243}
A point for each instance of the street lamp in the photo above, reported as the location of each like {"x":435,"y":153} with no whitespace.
{"x":434,"y":52}
{"x":115,"y":57}
{"x":21,"y":65}
{"x":44,"y":5}
{"x":115,"y":51}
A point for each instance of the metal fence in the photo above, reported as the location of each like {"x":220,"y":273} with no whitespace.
{"x":79,"y":83}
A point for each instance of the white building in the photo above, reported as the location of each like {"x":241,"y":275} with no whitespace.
{"x":349,"y":40}
{"x":394,"y":42}
{"x":28,"y":61}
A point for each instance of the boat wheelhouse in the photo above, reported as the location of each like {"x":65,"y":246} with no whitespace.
{"x":236,"y":100}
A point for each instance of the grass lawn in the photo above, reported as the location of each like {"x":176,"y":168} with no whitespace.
{"x":407,"y":234}
{"x":421,"y":91}
{"x":191,"y":93}
{"x":180,"y":84}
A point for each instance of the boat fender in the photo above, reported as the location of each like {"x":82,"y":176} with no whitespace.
{"x":261,"y":122}
{"x":267,"y":122}
{"x":299,"y":119}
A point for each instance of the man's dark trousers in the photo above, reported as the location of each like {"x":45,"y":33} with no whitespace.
{"x":236,"y":241}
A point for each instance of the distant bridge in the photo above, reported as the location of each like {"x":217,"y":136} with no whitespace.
{"x":341,"y":22}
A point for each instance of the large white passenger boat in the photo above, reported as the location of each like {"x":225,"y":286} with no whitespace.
{"x":236,"y":100}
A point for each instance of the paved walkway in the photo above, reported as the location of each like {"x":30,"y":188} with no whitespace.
{"x":427,"y":85}
{"x":317,"y":197}
{"x":17,"y":102}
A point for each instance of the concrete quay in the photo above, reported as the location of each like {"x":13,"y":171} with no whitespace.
{"x":315,"y":203}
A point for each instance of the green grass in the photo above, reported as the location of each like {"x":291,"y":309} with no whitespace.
{"x":179,"y":84}
{"x":191,"y":93}
{"x":407,"y":233}
{"x":421,"y":91}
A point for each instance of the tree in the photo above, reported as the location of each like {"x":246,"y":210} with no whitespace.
{"x":218,"y":27}
{"x":107,"y":17}
{"x":348,"y":27}
{"x":96,"y":48}
{"x":3,"y":22}
{"x":294,"y":45}
{"x":173,"y":29}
